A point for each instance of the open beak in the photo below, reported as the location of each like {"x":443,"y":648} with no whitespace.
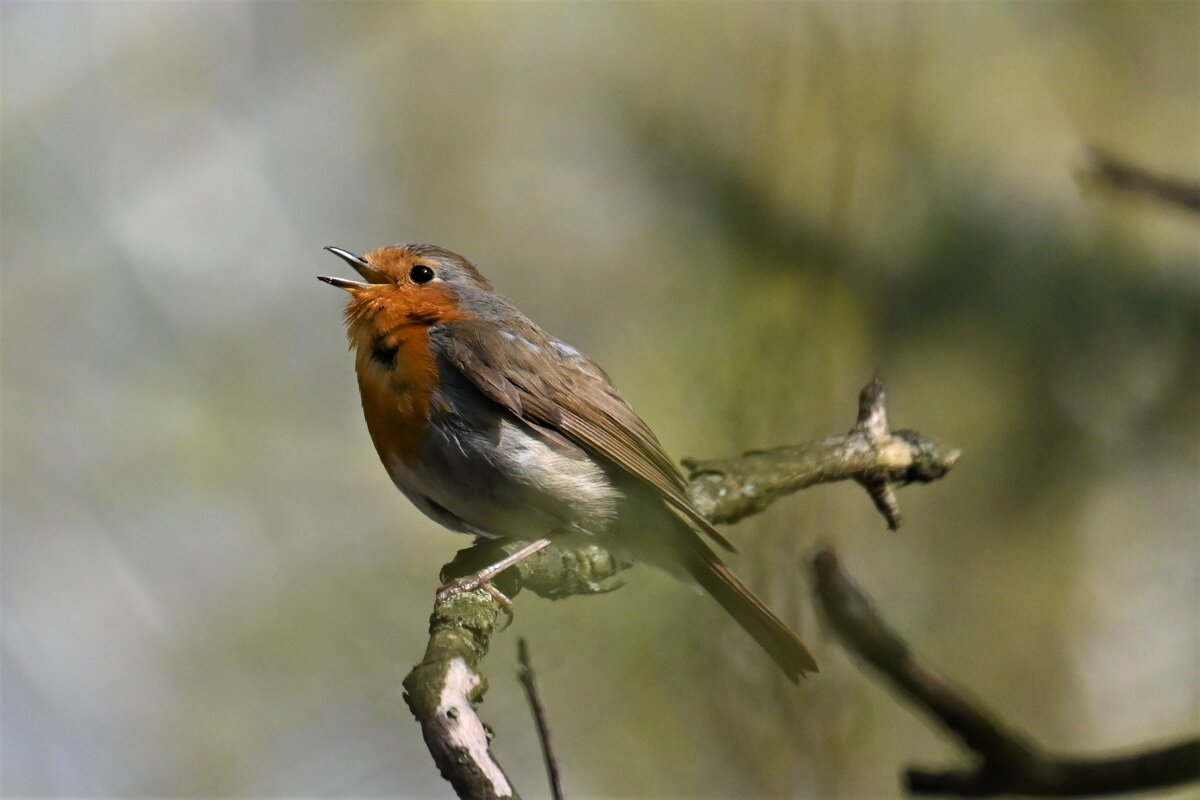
{"x":360,"y":264}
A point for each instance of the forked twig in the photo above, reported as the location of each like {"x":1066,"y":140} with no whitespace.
{"x":871,"y":454}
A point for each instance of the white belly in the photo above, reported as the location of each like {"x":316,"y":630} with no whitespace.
{"x":508,"y":482}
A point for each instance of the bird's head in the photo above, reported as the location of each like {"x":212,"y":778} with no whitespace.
{"x":406,"y":285}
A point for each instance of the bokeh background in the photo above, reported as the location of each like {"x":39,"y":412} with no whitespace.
{"x":209,"y":586}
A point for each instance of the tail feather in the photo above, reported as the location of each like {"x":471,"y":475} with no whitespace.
{"x":771,"y":633}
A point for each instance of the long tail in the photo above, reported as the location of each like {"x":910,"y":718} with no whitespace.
{"x":750,"y":612}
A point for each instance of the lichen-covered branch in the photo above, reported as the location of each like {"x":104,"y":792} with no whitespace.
{"x":1009,"y":762}
{"x":444,"y":688}
{"x":727,"y":490}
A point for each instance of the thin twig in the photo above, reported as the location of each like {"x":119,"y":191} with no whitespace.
{"x":1010,"y":763}
{"x":529,"y":681}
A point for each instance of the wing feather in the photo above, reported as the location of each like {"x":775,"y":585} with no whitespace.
{"x":569,"y":392}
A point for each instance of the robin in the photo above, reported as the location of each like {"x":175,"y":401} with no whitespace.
{"x":493,"y":427}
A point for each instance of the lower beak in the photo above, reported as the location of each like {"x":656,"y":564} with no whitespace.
{"x":342,"y":283}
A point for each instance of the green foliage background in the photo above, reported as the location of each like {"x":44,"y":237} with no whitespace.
{"x":742,"y":210}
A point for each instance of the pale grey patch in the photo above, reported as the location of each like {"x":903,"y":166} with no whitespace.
{"x":521,"y":340}
{"x":565,"y":350}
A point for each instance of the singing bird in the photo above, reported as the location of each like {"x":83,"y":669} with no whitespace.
{"x":493,"y":427}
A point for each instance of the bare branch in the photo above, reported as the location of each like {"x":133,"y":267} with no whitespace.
{"x":1010,"y":763}
{"x":529,"y":681}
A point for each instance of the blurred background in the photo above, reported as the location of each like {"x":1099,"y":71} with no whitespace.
{"x":210,"y":586}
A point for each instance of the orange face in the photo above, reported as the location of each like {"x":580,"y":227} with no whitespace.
{"x":405,"y":287}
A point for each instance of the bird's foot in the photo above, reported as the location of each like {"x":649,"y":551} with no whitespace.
{"x":481,"y":580}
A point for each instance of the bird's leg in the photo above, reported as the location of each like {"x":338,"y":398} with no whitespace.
{"x":483,"y":578}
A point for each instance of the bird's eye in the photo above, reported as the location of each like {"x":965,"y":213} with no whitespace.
{"x":420,"y":274}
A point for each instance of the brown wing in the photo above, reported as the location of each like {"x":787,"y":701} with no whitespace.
{"x":542,"y":380}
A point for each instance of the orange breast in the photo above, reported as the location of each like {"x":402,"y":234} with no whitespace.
{"x":388,"y":326}
{"x":396,"y":401}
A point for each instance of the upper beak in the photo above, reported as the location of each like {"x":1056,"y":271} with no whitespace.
{"x":360,"y":264}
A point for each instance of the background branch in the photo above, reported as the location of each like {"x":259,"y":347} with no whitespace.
{"x":444,"y":688}
{"x":1010,"y":763}
{"x":1116,"y":173}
